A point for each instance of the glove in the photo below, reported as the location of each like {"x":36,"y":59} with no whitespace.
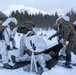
{"x":50,"y":38}
{"x":11,"y":39}
{"x":8,"y":47}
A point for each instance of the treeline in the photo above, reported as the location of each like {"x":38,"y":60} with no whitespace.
{"x":40,"y":20}
{"x":3,"y":17}
{"x":72,"y":15}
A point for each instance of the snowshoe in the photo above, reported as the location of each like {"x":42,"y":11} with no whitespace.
{"x":20,"y":64}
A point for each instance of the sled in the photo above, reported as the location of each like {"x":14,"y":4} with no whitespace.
{"x":17,"y":65}
{"x":55,"y":49}
{"x":35,"y":43}
{"x":39,"y":45}
{"x":49,"y":64}
{"x":52,"y":62}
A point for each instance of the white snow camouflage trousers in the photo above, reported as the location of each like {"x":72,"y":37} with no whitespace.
{"x":3,"y":51}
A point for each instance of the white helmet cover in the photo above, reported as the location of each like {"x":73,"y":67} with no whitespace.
{"x":66,"y":18}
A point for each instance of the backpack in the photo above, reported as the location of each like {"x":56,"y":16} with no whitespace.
{"x":1,"y":34}
{"x":1,"y":31}
{"x":23,"y":30}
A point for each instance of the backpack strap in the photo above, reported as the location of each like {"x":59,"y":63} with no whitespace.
{"x":1,"y":32}
{"x":8,"y":33}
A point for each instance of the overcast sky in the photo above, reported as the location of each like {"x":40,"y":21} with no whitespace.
{"x":50,"y":6}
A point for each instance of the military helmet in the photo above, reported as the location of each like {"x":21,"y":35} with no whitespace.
{"x":61,"y":19}
{"x":26,"y":26}
{"x":28,"y":23}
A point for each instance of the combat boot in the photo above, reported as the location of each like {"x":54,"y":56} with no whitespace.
{"x":68,"y":61}
{"x":14,"y":47}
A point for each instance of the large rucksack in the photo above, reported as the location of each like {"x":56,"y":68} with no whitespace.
{"x":1,"y":31}
{"x":1,"y":34}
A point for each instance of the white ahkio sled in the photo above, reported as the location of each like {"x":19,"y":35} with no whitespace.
{"x":35,"y":43}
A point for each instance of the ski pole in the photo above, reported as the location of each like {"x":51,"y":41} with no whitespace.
{"x":33,"y":60}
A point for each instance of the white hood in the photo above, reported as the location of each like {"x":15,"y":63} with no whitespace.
{"x":12,"y":19}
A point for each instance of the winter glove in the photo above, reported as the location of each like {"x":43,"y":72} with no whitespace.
{"x":50,"y":38}
{"x":11,"y":39}
{"x":8,"y":47}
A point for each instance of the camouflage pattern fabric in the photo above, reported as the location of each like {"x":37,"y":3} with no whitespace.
{"x":67,"y":31}
{"x":25,"y":27}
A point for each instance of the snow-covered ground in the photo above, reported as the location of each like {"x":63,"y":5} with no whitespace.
{"x":57,"y":70}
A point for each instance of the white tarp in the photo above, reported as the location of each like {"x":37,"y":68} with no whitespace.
{"x":38,"y":42}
